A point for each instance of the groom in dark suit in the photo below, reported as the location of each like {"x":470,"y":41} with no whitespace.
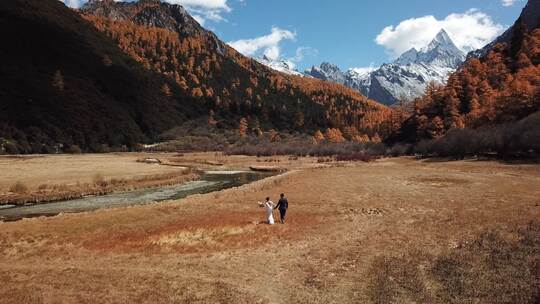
{"x":282,"y":205}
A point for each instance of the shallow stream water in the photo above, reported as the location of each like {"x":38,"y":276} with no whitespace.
{"x":210,"y":181}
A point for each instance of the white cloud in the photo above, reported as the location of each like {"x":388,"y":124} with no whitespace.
{"x":303,"y":52}
{"x":267,"y":44}
{"x":204,"y":10}
{"x":300,"y":54}
{"x":509,"y":2}
{"x":470,"y":30}
{"x":201,"y":10}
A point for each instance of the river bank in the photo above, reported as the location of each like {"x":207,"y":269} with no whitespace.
{"x":206,"y":182}
{"x":32,"y":179}
{"x":47,"y":178}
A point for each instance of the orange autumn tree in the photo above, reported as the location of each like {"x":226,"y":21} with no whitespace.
{"x":318,"y":136}
{"x":235,"y":86}
{"x":334,"y":135}
{"x":243,"y":127}
{"x":502,"y":86}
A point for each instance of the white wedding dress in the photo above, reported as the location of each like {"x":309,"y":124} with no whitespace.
{"x":269,"y":206}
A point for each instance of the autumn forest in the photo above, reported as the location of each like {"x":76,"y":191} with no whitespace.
{"x":185,"y":76}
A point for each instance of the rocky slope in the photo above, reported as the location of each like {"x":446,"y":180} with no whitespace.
{"x":328,"y":72}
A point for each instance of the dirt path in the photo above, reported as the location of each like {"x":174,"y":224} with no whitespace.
{"x":212,"y":248}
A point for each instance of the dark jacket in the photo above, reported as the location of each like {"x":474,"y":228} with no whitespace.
{"x":283,"y":204}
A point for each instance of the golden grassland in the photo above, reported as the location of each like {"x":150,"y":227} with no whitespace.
{"x":389,"y":231}
{"x":38,"y":179}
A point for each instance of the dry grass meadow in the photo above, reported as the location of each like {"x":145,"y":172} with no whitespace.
{"x":41,"y":178}
{"x":390,"y":231}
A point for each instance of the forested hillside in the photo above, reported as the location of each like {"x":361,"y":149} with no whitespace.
{"x":164,"y":38}
{"x":64,"y":86}
{"x":116,"y":75}
{"x":490,"y":105}
{"x":503,"y":86}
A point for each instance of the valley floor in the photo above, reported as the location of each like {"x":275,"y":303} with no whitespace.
{"x":391,"y":231}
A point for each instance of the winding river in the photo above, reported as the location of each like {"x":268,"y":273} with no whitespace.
{"x":210,"y":181}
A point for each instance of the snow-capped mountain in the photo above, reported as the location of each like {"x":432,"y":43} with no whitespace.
{"x":278,"y":65}
{"x":406,"y":77}
{"x":327,"y":71}
{"x":355,"y":78}
{"x":359,"y":79}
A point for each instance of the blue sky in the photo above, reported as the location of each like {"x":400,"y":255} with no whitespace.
{"x":349,"y":33}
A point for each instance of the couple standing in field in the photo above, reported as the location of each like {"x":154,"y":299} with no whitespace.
{"x":269,"y":206}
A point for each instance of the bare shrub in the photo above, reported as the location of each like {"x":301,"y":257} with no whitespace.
{"x":359,"y":156}
{"x":323,"y":160}
{"x":118,"y":181}
{"x":424,"y":148}
{"x":73,"y":149}
{"x":399,"y":150}
{"x":300,"y":148}
{"x":99,"y":180}
{"x":18,"y":187}
{"x":187,"y":171}
{"x":60,"y":187}
{"x":509,"y":140}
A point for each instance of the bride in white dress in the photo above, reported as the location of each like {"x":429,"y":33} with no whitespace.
{"x":268,"y":205}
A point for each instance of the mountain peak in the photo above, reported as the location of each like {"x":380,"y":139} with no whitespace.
{"x":264,"y":57}
{"x":408,"y":57}
{"x":442,"y":39}
{"x":327,"y":71}
{"x":327,"y":66}
{"x":153,"y":13}
{"x":406,"y":77}
{"x":441,"y":51}
{"x":279,"y":65}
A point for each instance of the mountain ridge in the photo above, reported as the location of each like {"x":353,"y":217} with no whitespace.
{"x":262,"y":86}
{"x":529,"y":18}
{"x":496,"y":94}
{"x":117,"y":74}
{"x":407,"y":76}
{"x":279,"y":65}
{"x":64,"y":86}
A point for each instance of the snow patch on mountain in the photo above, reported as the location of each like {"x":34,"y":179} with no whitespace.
{"x":327,"y":71}
{"x":279,"y":65}
{"x":403,"y":79}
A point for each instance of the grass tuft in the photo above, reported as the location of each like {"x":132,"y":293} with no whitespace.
{"x":18,"y":187}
